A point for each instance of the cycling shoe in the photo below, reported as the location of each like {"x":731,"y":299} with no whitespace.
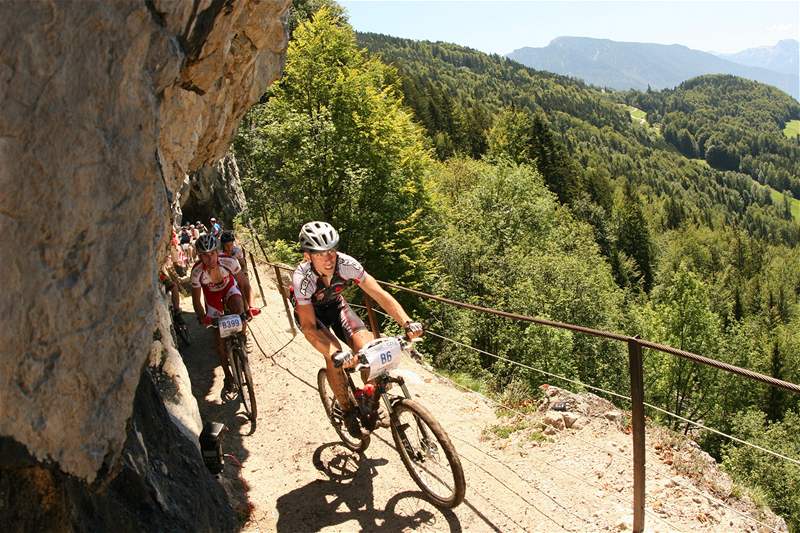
{"x":352,"y":424}
{"x":228,"y":389}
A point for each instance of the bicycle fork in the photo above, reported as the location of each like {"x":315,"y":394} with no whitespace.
{"x":416,"y":455}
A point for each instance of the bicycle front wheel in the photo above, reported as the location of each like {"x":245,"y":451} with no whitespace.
{"x":427,"y":453}
{"x":245,"y":379}
{"x":335,"y":414}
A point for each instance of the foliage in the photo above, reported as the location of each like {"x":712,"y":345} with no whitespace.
{"x":780,"y":480}
{"x":508,"y":244}
{"x":735,"y":124}
{"x":333,"y":143}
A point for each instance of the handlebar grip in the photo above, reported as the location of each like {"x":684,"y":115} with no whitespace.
{"x":340,"y":358}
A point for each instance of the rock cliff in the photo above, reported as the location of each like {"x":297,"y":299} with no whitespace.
{"x":107,"y":106}
{"x":213,"y":191}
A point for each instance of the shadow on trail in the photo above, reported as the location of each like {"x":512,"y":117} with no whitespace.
{"x":347,"y":495}
{"x":201,"y":361}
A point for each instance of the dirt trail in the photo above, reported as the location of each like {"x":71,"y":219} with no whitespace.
{"x":297,"y":478}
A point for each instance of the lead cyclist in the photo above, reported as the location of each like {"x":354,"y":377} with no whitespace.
{"x":316,"y":293}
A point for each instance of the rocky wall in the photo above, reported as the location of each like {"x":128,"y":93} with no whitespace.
{"x":106,"y":107}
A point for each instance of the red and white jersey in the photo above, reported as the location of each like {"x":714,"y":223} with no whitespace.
{"x":228,"y":268}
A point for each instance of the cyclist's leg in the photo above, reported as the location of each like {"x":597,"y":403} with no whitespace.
{"x":354,"y":331}
{"x":327,"y":320}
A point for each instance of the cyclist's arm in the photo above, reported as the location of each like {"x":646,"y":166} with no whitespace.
{"x":384,"y":299}
{"x":197,"y":303}
{"x":244,"y":284}
{"x":317,"y":338}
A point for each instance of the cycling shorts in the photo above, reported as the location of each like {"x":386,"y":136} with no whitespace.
{"x":215,"y":300}
{"x":340,"y":318}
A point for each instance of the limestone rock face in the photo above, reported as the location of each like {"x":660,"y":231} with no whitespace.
{"x":159,"y":485}
{"x":106,"y":107}
{"x":213,"y":191}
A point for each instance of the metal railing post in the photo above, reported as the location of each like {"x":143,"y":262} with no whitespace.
{"x":637,"y":425}
{"x":258,"y":278}
{"x":285,"y":298}
{"x":373,"y":323}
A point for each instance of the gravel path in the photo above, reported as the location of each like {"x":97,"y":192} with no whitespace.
{"x":295,"y":477}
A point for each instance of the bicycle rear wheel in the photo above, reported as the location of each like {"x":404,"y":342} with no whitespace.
{"x":335,"y":415}
{"x":427,"y":453}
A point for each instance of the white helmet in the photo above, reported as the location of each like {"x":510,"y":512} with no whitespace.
{"x":318,"y":237}
{"x":206,"y":243}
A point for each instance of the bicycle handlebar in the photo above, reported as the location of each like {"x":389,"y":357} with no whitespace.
{"x":340,"y":358}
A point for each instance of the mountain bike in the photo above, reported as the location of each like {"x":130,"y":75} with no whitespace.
{"x":179,"y":326}
{"x":230,"y":329}
{"x":423,"y":446}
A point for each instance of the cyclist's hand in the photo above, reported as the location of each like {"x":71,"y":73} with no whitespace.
{"x":253,"y":311}
{"x":206,"y":320}
{"x":413,"y":329}
{"x":343,"y":358}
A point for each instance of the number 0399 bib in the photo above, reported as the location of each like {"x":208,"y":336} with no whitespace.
{"x":382,"y":355}
{"x":229,"y":324}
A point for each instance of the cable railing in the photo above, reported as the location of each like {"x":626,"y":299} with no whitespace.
{"x":635,"y":367}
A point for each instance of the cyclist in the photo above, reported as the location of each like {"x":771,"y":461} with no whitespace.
{"x":216,"y":229}
{"x":316,"y":294}
{"x":218,"y":278}
{"x":231,"y":248}
{"x":171,"y":282}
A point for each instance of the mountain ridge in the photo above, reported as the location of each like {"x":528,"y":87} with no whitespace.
{"x":631,"y":65}
{"x":781,"y":57}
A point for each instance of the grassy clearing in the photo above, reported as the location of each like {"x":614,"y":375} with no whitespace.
{"x":637,"y":115}
{"x":640,"y":117}
{"x":777,"y":199}
{"x":792,"y":129}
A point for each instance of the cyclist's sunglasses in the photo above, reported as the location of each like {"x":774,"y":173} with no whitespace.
{"x":326,"y":253}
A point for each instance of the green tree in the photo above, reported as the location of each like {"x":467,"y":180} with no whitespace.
{"x":778,"y":479}
{"x":333,"y":142}
{"x":680,"y":316}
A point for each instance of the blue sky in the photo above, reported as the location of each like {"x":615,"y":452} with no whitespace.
{"x":502,"y":26}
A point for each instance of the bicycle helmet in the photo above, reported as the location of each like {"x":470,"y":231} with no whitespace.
{"x":318,"y":237}
{"x":227,"y":236}
{"x":206,"y":243}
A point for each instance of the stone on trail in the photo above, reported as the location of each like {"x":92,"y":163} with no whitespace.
{"x":554,"y":419}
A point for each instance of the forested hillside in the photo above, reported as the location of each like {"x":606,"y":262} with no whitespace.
{"x":472,"y":176}
{"x":733,"y":123}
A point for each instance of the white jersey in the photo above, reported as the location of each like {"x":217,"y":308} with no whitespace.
{"x":202,"y":278}
{"x":307,"y":289}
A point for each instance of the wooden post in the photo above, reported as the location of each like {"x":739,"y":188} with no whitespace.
{"x":637,"y":425}
{"x":285,"y":298}
{"x":258,"y":278}
{"x":373,"y":324}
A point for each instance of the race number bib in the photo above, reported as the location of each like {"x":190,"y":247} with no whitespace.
{"x":382,"y":355}
{"x":229,"y":324}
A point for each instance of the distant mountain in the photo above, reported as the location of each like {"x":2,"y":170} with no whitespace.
{"x":621,"y":65}
{"x":783,"y":57}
